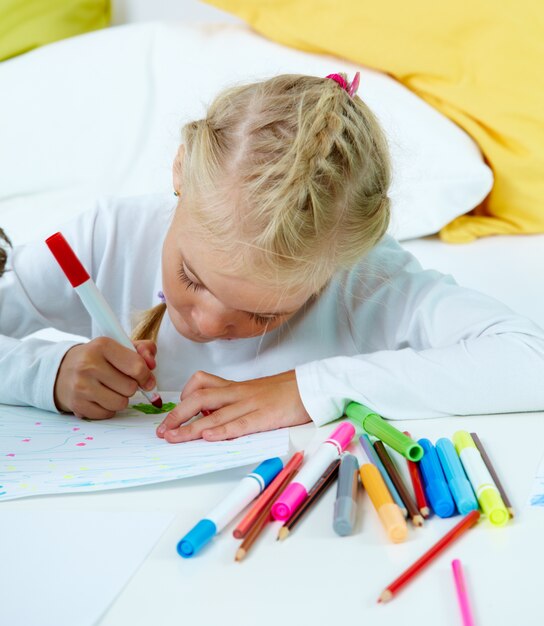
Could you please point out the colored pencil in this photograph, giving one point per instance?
(457, 531)
(324, 482)
(493, 473)
(261, 521)
(462, 595)
(405, 496)
(373, 457)
(260, 504)
(417, 484)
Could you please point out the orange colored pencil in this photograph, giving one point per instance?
(457, 531)
(268, 494)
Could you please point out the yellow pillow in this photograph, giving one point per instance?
(27, 24)
(480, 63)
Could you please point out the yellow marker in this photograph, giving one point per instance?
(388, 511)
(489, 497)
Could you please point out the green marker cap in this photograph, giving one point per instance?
(377, 426)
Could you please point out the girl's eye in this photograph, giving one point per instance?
(260, 319)
(190, 284)
(187, 281)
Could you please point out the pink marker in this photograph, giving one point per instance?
(92, 299)
(297, 491)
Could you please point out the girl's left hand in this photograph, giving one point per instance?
(239, 408)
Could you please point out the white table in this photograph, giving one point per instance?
(315, 577)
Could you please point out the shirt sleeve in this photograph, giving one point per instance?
(35, 294)
(427, 348)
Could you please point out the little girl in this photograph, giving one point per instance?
(282, 298)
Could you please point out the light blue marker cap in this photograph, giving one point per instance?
(435, 484)
(206, 530)
(196, 538)
(460, 487)
(268, 470)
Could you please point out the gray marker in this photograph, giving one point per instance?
(345, 507)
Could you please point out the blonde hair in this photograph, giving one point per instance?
(289, 178)
(4, 241)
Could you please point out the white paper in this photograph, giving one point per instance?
(537, 494)
(42, 452)
(65, 568)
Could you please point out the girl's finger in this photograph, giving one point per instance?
(254, 422)
(210, 398)
(115, 380)
(92, 411)
(194, 430)
(147, 349)
(203, 380)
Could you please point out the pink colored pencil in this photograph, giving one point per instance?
(462, 595)
(253, 514)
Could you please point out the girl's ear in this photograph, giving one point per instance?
(177, 170)
(4, 242)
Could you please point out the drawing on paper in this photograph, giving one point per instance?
(45, 453)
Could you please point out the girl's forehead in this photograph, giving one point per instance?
(235, 287)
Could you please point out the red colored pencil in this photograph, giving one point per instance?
(417, 484)
(457, 531)
(253, 514)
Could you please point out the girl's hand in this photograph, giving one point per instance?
(239, 408)
(97, 378)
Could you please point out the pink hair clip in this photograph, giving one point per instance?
(350, 88)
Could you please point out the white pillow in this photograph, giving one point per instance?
(101, 114)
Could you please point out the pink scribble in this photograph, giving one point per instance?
(76, 428)
(37, 424)
(10, 454)
(89, 438)
(25, 440)
(81, 444)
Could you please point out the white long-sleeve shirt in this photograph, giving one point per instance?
(406, 342)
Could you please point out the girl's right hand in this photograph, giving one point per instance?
(97, 378)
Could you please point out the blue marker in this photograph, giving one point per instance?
(435, 484)
(460, 487)
(249, 488)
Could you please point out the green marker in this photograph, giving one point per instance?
(486, 491)
(377, 426)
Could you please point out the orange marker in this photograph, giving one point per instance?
(388, 511)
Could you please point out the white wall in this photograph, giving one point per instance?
(127, 11)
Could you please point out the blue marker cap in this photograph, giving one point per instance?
(434, 481)
(460, 487)
(196, 538)
(267, 471)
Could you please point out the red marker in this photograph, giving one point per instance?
(92, 299)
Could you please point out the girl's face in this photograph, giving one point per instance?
(205, 302)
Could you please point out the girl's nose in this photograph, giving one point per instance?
(211, 324)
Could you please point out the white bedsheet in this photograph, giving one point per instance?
(507, 268)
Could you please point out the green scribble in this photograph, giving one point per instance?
(149, 408)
